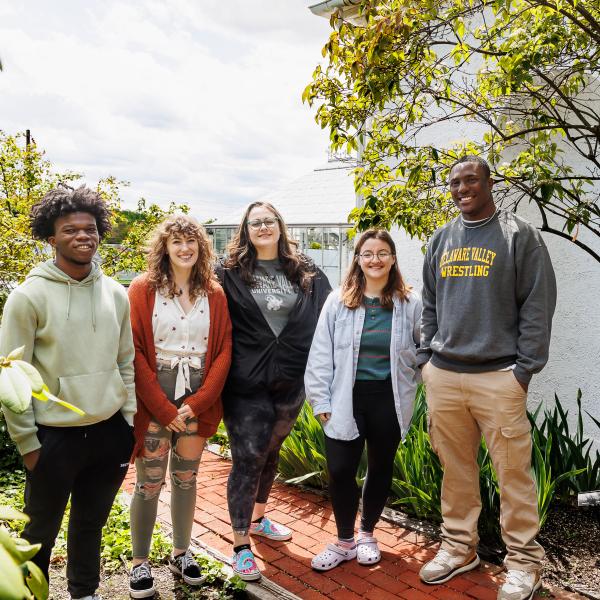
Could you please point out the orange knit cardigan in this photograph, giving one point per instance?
(151, 400)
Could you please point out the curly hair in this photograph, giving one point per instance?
(298, 268)
(160, 274)
(353, 287)
(64, 200)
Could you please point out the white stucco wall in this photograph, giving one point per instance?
(575, 347)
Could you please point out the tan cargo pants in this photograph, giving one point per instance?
(462, 407)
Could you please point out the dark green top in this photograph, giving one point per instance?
(374, 352)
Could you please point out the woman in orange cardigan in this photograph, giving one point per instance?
(182, 337)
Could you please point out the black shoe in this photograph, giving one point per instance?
(141, 582)
(186, 566)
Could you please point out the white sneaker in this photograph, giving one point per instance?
(444, 566)
(94, 597)
(519, 585)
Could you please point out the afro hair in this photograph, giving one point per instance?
(64, 200)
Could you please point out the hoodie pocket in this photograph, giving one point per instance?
(99, 395)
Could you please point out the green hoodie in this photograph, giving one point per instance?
(78, 335)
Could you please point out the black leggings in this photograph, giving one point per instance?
(257, 424)
(377, 422)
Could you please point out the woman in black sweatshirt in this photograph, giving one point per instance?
(275, 295)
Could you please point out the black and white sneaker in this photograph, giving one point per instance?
(186, 566)
(141, 582)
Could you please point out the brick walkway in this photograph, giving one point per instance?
(310, 517)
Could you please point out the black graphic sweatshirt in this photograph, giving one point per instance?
(260, 358)
(489, 294)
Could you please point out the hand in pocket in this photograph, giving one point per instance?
(31, 459)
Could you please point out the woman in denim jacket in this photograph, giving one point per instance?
(360, 380)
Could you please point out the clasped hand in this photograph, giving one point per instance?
(178, 423)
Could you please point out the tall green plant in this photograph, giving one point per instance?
(417, 480)
(565, 451)
(302, 456)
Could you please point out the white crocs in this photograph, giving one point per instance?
(367, 551)
(331, 557)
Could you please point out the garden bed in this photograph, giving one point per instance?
(571, 538)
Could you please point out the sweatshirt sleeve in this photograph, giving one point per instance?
(19, 324)
(536, 298)
(148, 389)
(125, 359)
(318, 376)
(429, 325)
(214, 380)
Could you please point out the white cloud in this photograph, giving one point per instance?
(189, 101)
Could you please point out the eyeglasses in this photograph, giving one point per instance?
(382, 255)
(268, 222)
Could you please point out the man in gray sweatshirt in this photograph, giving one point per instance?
(489, 294)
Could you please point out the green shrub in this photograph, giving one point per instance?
(20, 578)
(10, 458)
(221, 439)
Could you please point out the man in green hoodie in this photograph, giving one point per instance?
(74, 323)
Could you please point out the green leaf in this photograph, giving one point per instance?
(12, 586)
(18, 548)
(36, 581)
(546, 189)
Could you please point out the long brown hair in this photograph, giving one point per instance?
(242, 254)
(353, 288)
(160, 276)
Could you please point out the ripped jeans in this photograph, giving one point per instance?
(185, 450)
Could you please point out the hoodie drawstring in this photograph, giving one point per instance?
(93, 306)
(68, 300)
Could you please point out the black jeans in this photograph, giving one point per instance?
(88, 464)
(377, 422)
(257, 424)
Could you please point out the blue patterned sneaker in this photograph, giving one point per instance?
(271, 530)
(244, 565)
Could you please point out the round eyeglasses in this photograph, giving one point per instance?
(268, 222)
(382, 255)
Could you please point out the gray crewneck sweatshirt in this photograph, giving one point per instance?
(489, 293)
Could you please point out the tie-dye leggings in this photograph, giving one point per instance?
(257, 424)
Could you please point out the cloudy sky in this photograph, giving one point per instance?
(194, 101)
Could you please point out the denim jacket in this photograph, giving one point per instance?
(331, 368)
